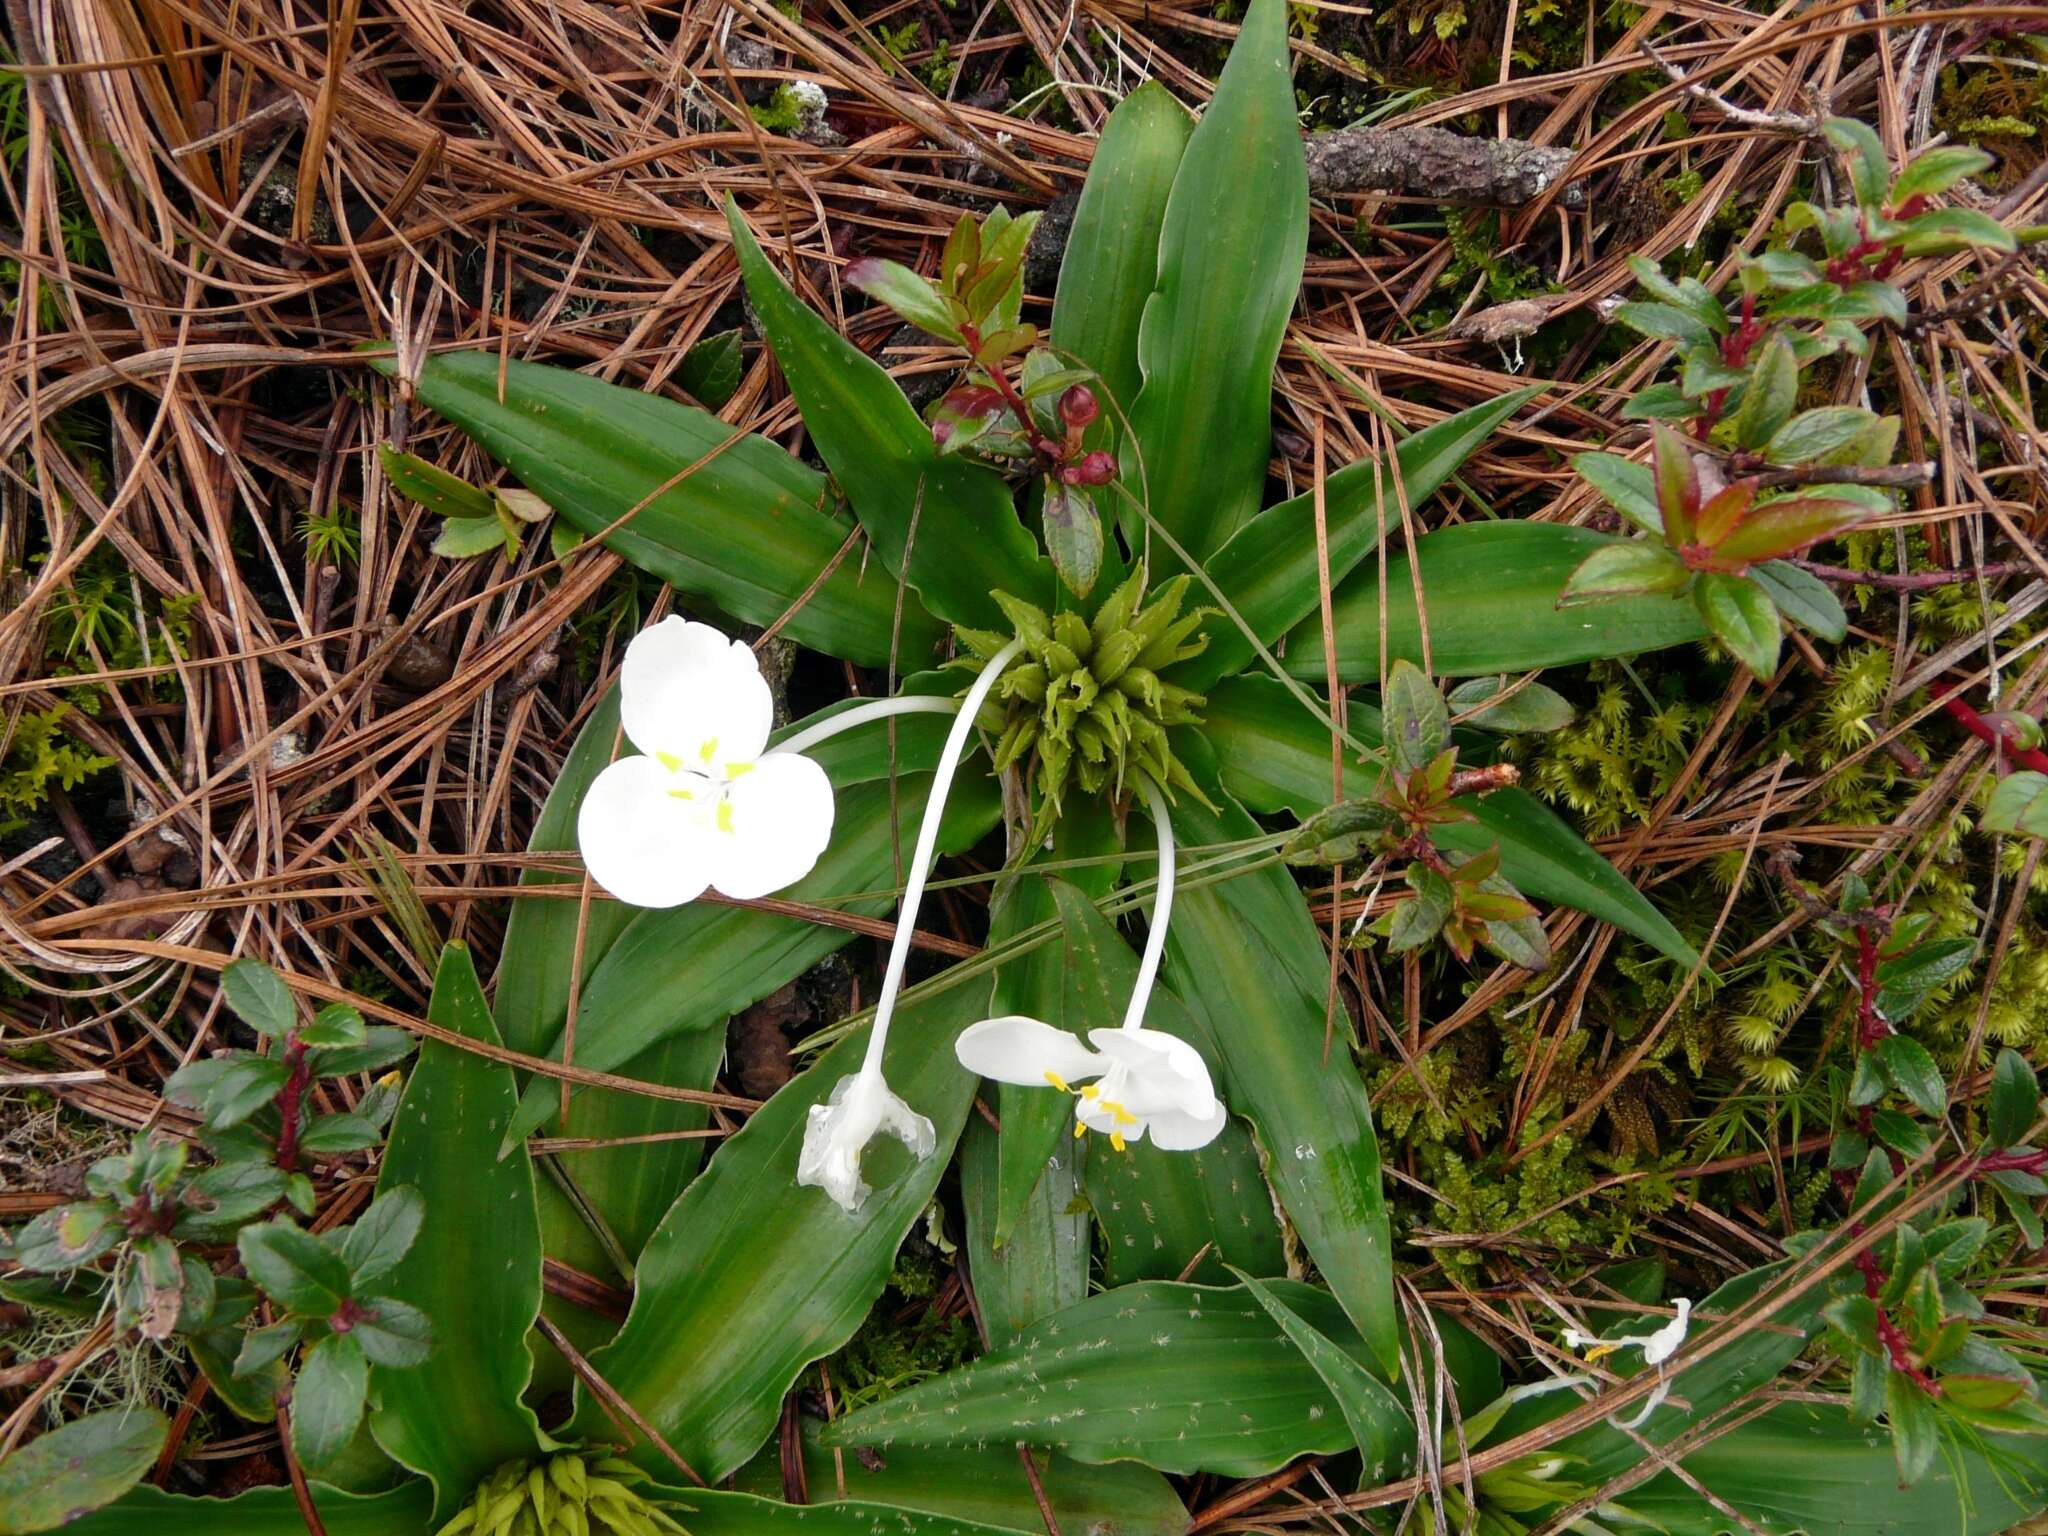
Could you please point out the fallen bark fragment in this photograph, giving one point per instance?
(1435, 163)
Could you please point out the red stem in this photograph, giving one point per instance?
(1895, 1342)
(289, 1098)
(1986, 732)
(1045, 445)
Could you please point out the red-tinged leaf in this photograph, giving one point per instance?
(912, 298)
(1723, 512)
(1678, 485)
(1781, 528)
(1624, 570)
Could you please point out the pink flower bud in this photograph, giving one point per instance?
(1078, 407)
(1097, 468)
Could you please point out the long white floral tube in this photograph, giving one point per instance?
(1162, 909)
(862, 1105)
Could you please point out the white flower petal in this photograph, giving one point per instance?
(1016, 1049)
(640, 841)
(1174, 1130)
(690, 693)
(1165, 1071)
(836, 1133)
(776, 821)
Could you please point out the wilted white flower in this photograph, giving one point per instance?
(706, 806)
(1657, 1347)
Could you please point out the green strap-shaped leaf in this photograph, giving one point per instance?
(709, 1513)
(406, 1510)
(1807, 1467)
(632, 1186)
(750, 529)
(1269, 569)
(693, 967)
(1380, 1426)
(1183, 1378)
(475, 1267)
(985, 1483)
(970, 543)
(1275, 756)
(1042, 1266)
(1246, 957)
(1230, 257)
(532, 983)
(1492, 591)
(77, 1467)
(1112, 260)
(1159, 1211)
(750, 1278)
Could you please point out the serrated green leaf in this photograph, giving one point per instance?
(1955, 229)
(1413, 719)
(1803, 598)
(68, 1471)
(1628, 487)
(1913, 1073)
(2019, 804)
(1638, 568)
(441, 493)
(710, 371)
(1936, 170)
(1767, 401)
(378, 1239)
(2015, 1099)
(1741, 615)
(327, 1398)
(296, 1269)
(1530, 708)
(259, 997)
(1869, 167)
(465, 538)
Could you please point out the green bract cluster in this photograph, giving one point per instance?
(1088, 700)
(565, 1495)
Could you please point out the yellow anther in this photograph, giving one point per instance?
(1124, 1116)
(1058, 1082)
(681, 794)
(725, 816)
(1601, 1351)
(737, 770)
(1080, 1130)
(1091, 1091)
(669, 761)
(1116, 1139)
(710, 748)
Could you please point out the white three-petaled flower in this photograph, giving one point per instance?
(1657, 1347)
(1146, 1082)
(706, 806)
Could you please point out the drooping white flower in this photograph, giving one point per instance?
(1146, 1082)
(1657, 1347)
(706, 806)
(861, 1106)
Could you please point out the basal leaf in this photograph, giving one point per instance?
(749, 1278)
(883, 457)
(475, 1267)
(1230, 257)
(63, 1473)
(750, 529)
(1492, 591)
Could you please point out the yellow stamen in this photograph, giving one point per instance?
(1116, 1139)
(669, 761)
(1601, 1351)
(710, 748)
(1058, 1082)
(725, 816)
(681, 794)
(1091, 1091)
(737, 771)
(1080, 1130)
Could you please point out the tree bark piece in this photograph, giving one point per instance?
(1435, 163)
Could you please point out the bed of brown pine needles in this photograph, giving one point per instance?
(340, 765)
